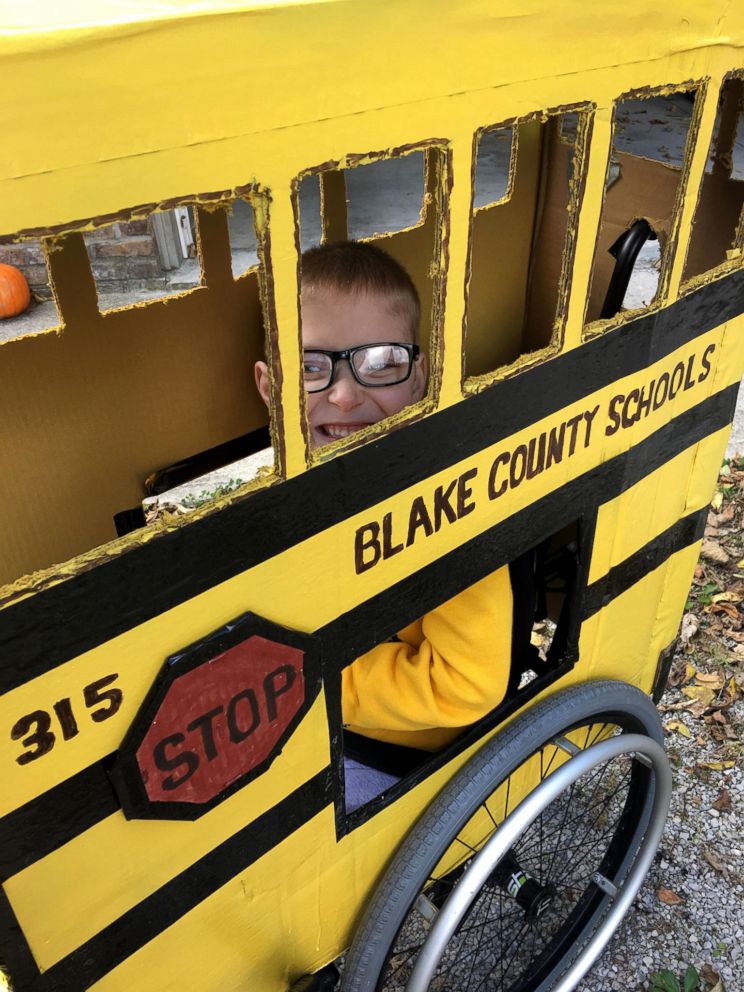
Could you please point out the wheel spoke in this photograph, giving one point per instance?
(513, 943)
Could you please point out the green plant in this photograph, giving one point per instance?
(207, 495)
(667, 981)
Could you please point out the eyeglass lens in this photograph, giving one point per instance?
(374, 365)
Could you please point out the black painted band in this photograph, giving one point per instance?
(44, 824)
(59, 815)
(143, 922)
(49, 628)
(647, 559)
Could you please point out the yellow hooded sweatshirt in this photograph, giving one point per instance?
(447, 671)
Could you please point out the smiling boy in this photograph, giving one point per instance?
(353, 295)
(360, 319)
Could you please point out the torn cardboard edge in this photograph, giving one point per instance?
(670, 229)
(577, 181)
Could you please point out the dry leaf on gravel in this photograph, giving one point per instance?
(699, 693)
(714, 861)
(714, 552)
(727, 608)
(723, 803)
(668, 897)
(679, 727)
(715, 766)
(710, 976)
(688, 629)
(726, 597)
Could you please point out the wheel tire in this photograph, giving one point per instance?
(616, 705)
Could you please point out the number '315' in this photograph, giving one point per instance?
(101, 699)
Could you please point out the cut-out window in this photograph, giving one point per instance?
(644, 176)
(378, 291)
(718, 224)
(522, 240)
(135, 402)
(493, 166)
(311, 227)
(363, 202)
(385, 196)
(144, 259)
(536, 598)
(28, 303)
(243, 246)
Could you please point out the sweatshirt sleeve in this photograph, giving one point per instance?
(449, 670)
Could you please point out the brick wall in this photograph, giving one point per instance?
(122, 257)
(28, 256)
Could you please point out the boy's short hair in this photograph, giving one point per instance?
(356, 267)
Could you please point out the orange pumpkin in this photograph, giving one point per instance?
(15, 295)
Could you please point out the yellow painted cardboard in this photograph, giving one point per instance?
(126, 112)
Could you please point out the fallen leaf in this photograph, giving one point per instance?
(699, 693)
(679, 727)
(727, 608)
(726, 597)
(714, 552)
(714, 861)
(697, 709)
(714, 680)
(733, 688)
(690, 670)
(725, 515)
(710, 976)
(716, 766)
(723, 803)
(668, 897)
(687, 631)
(717, 501)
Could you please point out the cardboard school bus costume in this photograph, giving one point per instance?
(173, 795)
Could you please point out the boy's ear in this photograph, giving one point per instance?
(421, 373)
(261, 372)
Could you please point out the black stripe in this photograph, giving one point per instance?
(359, 630)
(59, 623)
(622, 576)
(143, 922)
(48, 819)
(47, 822)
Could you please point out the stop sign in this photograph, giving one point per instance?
(217, 716)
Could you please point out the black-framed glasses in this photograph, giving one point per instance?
(385, 363)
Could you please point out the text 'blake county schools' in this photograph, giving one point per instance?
(381, 539)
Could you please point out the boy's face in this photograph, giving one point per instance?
(335, 321)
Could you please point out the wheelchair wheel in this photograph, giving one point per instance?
(516, 876)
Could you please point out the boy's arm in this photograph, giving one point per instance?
(456, 675)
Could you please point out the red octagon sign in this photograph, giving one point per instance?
(215, 719)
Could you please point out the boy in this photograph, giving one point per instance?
(360, 319)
